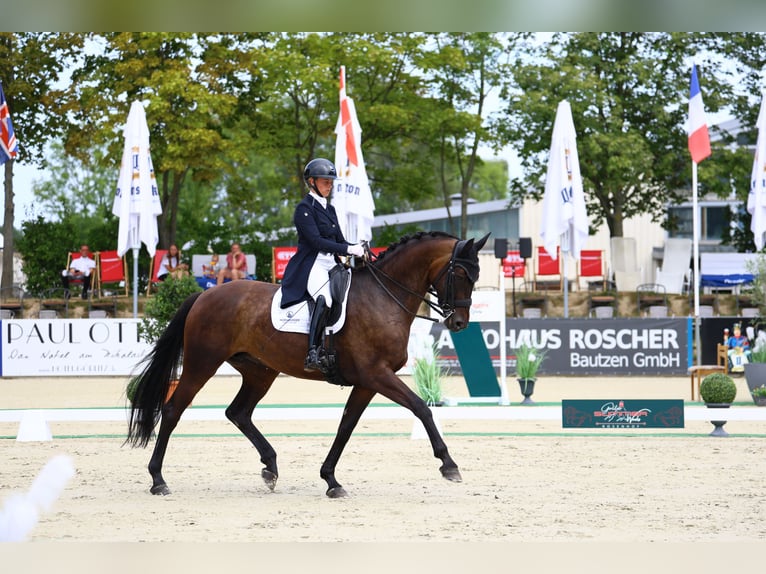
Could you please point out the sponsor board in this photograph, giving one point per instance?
(73, 347)
(622, 413)
(581, 347)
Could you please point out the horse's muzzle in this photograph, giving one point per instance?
(456, 322)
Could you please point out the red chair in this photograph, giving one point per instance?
(548, 274)
(592, 267)
(111, 269)
(514, 266)
(153, 280)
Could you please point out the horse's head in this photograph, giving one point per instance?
(454, 283)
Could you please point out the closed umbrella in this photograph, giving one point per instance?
(565, 219)
(137, 201)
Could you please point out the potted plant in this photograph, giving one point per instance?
(158, 312)
(759, 395)
(528, 361)
(427, 374)
(755, 370)
(718, 391)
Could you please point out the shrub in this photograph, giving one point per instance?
(161, 307)
(718, 388)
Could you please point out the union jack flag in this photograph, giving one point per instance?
(9, 147)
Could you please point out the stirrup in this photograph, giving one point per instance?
(314, 360)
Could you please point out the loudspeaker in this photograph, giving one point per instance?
(525, 247)
(501, 248)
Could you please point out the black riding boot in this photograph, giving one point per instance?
(316, 334)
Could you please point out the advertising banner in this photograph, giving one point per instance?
(73, 347)
(580, 347)
(623, 414)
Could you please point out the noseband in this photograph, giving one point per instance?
(447, 304)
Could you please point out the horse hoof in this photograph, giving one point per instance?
(160, 489)
(452, 474)
(269, 478)
(336, 492)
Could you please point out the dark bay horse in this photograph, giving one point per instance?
(232, 323)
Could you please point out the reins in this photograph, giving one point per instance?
(446, 306)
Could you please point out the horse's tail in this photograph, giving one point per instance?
(152, 384)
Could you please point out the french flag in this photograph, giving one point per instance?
(699, 138)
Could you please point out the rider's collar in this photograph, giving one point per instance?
(316, 197)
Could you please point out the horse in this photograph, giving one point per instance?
(232, 323)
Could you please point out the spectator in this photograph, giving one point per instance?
(80, 269)
(210, 270)
(236, 265)
(171, 266)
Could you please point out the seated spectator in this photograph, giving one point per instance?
(171, 265)
(210, 270)
(739, 350)
(236, 265)
(81, 269)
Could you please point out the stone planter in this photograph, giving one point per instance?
(527, 387)
(718, 430)
(755, 376)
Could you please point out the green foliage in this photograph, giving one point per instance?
(718, 388)
(427, 375)
(45, 245)
(161, 307)
(757, 289)
(44, 249)
(758, 354)
(528, 361)
(624, 90)
(759, 391)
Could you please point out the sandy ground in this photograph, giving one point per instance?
(523, 481)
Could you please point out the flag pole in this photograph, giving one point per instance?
(503, 343)
(696, 264)
(135, 282)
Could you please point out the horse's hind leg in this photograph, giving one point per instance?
(256, 381)
(171, 414)
(357, 402)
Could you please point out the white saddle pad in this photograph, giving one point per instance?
(296, 318)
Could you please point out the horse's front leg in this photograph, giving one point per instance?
(357, 402)
(395, 389)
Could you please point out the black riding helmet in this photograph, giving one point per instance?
(319, 167)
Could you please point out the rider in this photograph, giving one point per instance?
(320, 242)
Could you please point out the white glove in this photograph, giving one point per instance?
(357, 250)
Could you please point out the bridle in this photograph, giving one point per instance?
(447, 304)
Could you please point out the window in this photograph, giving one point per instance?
(713, 222)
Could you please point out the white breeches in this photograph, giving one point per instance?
(319, 277)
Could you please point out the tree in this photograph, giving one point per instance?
(182, 80)
(462, 72)
(30, 66)
(629, 95)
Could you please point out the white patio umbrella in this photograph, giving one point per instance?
(137, 201)
(756, 199)
(351, 196)
(565, 220)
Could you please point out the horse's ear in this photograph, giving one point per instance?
(465, 248)
(480, 243)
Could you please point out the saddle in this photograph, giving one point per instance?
(340, 278)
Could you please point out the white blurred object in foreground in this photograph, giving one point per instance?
(20, 512)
